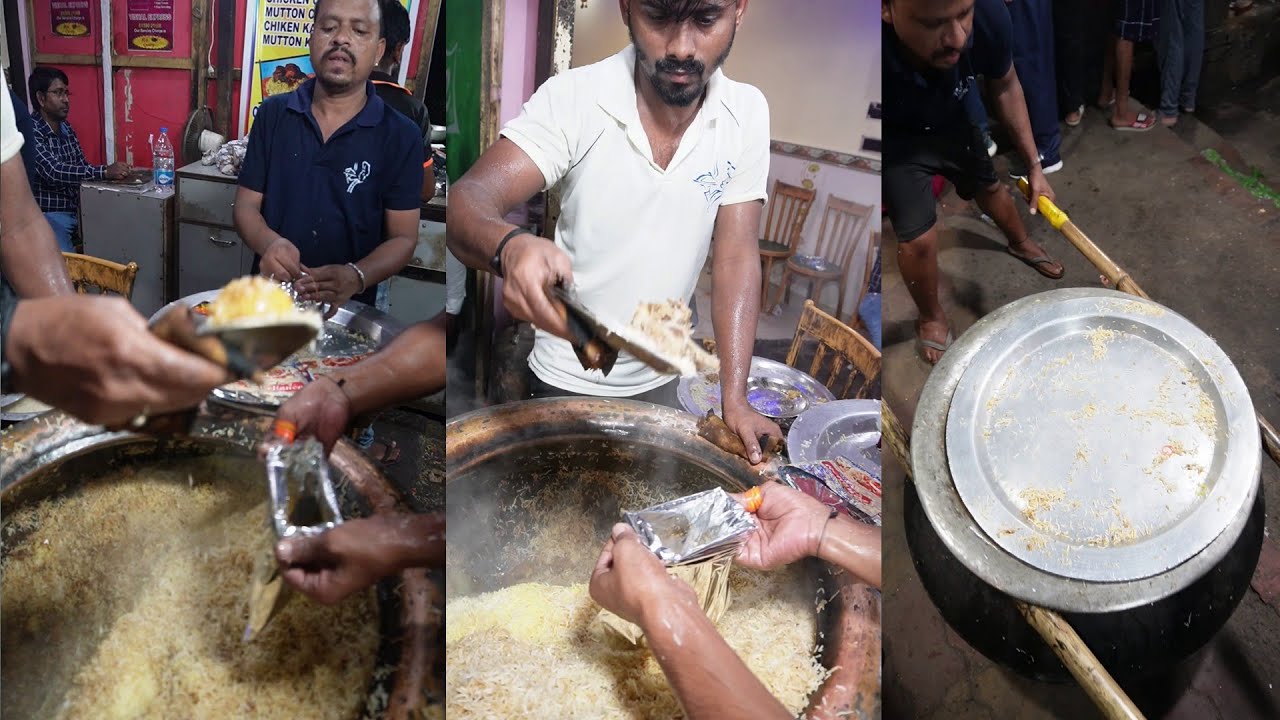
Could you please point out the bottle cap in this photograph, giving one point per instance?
(164, 129)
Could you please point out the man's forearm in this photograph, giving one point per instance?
(423, 541)
(413, 365)
(253, 229)
(708, 677)
(29, 255)
(735, 309)
(853, 546)
(387, 259)
(1011, 108)
(476, 223)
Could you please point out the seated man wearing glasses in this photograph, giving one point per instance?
(60, 164)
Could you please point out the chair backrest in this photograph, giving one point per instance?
(841, 356)
(788, 209)
(842, 226)
(102, 275)
(873, 252)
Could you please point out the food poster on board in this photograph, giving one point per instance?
(150, 25)
(70, 18)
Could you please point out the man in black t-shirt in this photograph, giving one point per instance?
(395, 21)
(932, 49)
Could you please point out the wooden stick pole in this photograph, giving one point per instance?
(1080, 660)
(1126, 284)
(1057, 633)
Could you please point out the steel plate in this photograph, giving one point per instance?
(958, 529)
(773, 389)
(355, 329)
(842, 428)
(1090, 438)
(8, 400)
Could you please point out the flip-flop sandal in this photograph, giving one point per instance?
(1142, 123)
(941, 347)
(1080, 112)
(390, 453)
(1038, 264)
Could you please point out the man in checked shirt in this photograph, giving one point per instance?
(60, 164)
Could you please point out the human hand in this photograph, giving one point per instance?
(789, 528)
(332, 285)
(320, 409)
(1039, 185)
(117, 171)
(532, 265)
(331, 566)
(281, 261)
(631, 582)
(94, 357)
(750, 426)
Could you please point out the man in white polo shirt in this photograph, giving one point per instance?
(657, 155)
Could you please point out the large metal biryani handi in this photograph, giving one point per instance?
(47, 458)
(535, 487)
(1086, 450)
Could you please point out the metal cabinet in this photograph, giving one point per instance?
(210, 258)
(125, 224)
(210, 253)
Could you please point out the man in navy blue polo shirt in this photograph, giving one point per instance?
(932, 49)
(329, 192)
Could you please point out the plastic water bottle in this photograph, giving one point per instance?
(162, 162)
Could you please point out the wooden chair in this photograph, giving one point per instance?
(842, 355)
(103, 275)
(873, 252)
(788, 209)
(842, 226)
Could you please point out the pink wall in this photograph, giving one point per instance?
(519, 56)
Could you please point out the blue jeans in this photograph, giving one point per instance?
(869, 312)
(64, 226)
(1033, 57)
(1181, 49)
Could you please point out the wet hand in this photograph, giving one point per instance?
(790, 527)
(531, 266)
(750, 427)
(351, 557)
(631, 582)
(321, 409)
(281, 261)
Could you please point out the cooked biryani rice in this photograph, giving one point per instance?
(128, 599)
(255, 298)
(539, 651)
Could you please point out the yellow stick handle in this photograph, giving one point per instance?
(1051, 212)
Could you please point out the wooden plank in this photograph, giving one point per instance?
(117, 61)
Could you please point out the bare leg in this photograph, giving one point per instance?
(918, 261)
(998, 204)
(1108, 92)
(1124, 67)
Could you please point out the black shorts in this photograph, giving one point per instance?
(911, 161)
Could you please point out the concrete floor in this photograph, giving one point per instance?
(1194, 241)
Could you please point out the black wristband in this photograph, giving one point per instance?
(495, 264)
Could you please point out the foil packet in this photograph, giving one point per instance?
(303, 500)
(694, 528)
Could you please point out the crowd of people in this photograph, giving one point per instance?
(937, 57)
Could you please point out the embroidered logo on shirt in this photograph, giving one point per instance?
(356, 174)
(713, 184)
